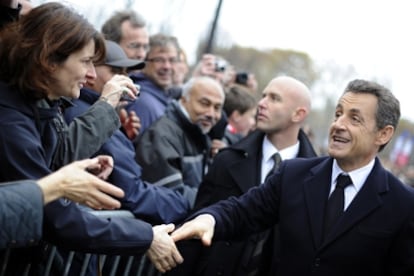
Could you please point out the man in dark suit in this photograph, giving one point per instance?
(374, 234)
(281, 112)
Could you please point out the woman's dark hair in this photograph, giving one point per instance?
(31, 47)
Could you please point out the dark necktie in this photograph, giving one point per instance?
(335, 206)
(257, 252)
(276, 161)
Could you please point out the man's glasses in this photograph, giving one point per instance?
(138, 46)
(162, 60)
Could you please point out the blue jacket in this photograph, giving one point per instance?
(33, 134)
(148, 202)
(151, 103)
(21, 214)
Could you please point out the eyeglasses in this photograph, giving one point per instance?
(162, 60)
(138, 46)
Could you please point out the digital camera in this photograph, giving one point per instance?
(220, 65)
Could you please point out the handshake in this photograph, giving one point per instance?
(163, 252)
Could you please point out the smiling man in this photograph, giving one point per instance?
(173, 152)
(155, 79)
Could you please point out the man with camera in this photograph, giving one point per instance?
(215, 67)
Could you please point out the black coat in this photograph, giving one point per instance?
(374, 236)
(234, 171)
(173, 153)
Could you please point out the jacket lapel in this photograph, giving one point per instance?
(242, 174)
(316, 188)
(250, 161)
(365, 202)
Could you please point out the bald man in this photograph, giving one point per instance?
(174, 151)
(285, 104)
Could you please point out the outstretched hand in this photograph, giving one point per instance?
(74, 182)
(202, 227)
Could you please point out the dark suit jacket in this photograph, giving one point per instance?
(375, 236)
(234, 171)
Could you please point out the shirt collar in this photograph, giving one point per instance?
(268, 149)
(357, 176)
(184, 111)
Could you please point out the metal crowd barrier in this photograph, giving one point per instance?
(118, 265)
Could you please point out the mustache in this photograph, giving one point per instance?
(203, 118)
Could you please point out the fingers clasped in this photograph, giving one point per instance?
(163, 252)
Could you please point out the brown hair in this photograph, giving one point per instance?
(46, 36)
(239, 98)
(163, 41)
(112, 27)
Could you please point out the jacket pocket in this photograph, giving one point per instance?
(375, 233)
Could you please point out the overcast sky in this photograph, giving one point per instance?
(375, 36)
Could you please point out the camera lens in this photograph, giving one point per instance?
(242, 77)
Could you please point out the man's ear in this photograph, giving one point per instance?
(385, 134)
(299, 114)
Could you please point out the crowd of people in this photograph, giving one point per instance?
(219, 180)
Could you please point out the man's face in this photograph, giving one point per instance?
(180, 71)
(134, 41)
(160, 64)
(354, 139)
(243, 123)
(275, 109)
(103, 74)
(204, 105)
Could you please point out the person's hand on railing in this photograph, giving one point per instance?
(163, 253)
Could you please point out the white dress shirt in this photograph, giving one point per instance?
(268, 149)
(357, 176)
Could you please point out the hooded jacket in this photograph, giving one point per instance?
(151, 103)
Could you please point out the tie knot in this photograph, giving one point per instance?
(343, 181)
(276, 158)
